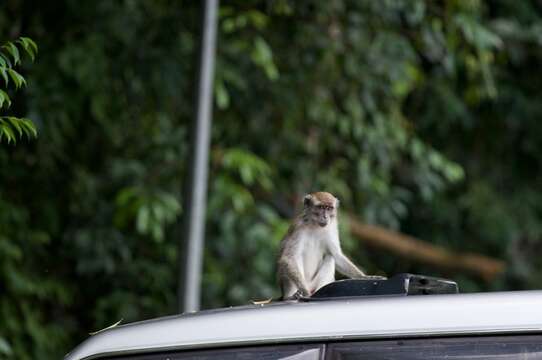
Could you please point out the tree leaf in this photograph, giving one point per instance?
(27, 47)
(13, 51)
(4, 97)
(125, 196)
(16, 123)
(3, 72)
(29, 127)
(6, 131)
(17, 78)
(4, 59)
(5, 348)
(221, 95)
(262, 55)
(32, 44)
(142, 220)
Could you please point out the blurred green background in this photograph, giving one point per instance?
(422, 117)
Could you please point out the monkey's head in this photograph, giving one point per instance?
(320, 208)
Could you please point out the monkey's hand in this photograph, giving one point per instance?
(301, 293)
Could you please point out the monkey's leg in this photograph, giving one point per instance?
(324, 275)
(288, 290)
(293, 280)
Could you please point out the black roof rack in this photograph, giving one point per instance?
(400, 284)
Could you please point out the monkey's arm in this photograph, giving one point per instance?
(343, 263)
(347, 267)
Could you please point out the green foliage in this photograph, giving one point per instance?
(152, 211)
(11, 127)
(420, 116)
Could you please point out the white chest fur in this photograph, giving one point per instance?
(314, 245)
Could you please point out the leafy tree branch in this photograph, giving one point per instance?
(13, 128)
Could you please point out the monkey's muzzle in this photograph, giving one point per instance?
(322, 223)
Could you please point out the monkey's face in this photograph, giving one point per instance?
(323, 214)
(320, 209)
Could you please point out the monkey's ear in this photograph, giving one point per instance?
(337, 202)
(307, 200)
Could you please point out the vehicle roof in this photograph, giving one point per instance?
(359, 318)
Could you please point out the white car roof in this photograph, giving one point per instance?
(359, 318)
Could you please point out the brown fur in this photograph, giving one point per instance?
(324, 198)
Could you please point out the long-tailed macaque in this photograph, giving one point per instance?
(311, 250)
